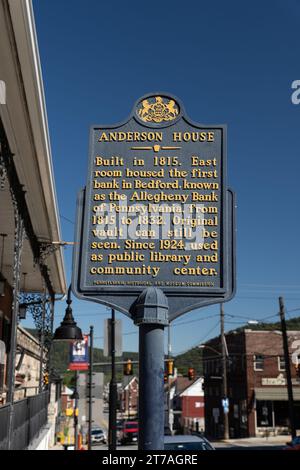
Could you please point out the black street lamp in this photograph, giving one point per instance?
(68, 329)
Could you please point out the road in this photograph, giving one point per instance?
(276, 443)
(243, 444)
(104, 447)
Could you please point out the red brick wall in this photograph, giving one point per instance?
(268, 344)
(189, 409)
(242, 378)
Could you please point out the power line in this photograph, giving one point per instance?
(201, 340)
(265, 297)
(68, 220)
(194, 321)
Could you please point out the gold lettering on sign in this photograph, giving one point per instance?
(156, 201)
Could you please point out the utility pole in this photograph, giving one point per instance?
(225, 403)
(75, 411)
(112, 432)
(287, 367)
(169, 382)
(90, 389)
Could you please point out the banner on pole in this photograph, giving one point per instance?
(79, 354)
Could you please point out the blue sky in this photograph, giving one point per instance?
(229, 62)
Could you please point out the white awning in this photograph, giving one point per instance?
(275, 393)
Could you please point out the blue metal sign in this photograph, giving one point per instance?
(156, 211)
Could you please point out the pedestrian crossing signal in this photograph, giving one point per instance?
(191, 373)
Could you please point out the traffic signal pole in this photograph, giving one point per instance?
(151, 315)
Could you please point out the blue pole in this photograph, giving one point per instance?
(151, 315)
(151, 387)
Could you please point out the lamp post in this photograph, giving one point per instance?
(206, 346)
(75, 397)
(68, 329)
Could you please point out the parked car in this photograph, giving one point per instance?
(187, 442)
(129, 432)
(98, 436)
(294, 444)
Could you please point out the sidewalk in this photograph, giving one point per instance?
(256, 441)
(57, 447)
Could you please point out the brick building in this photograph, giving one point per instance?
(129, 397)
(257, 392)
(188, 404)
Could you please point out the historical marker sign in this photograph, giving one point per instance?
(156, 211)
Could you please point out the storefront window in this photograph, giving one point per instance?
(281, 411)
(264, 413)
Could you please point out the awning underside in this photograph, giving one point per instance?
(276, 393)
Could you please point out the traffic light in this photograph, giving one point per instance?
(128, 369)
(169, 367)
(191, 373)
(46, 378)
(165, 378)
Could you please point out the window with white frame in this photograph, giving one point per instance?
(281, 363)
(258, 362)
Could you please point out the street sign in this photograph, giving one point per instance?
(107, 338)
(156, 211)
(79, 354)
(225, 403)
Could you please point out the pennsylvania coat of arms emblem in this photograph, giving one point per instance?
(159, 110)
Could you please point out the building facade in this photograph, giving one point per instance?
(191, 403)
(129, 397)
(31, 260)
(257, 390)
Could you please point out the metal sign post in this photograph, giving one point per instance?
(90, 385)
(155, 231)
(112, 434)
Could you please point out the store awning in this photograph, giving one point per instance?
(275, 393)
(24, 120)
